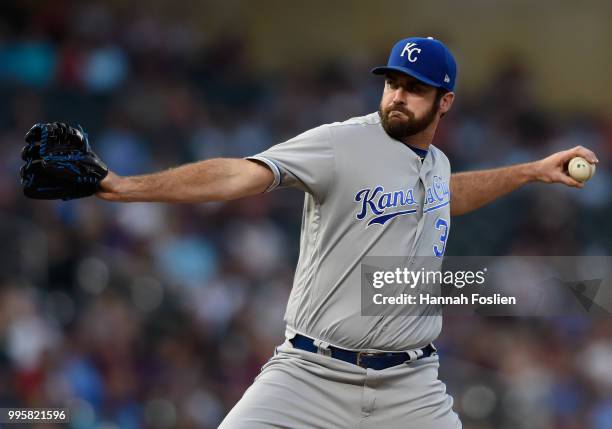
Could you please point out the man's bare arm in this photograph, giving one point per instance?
(472, 190)
(219, 179)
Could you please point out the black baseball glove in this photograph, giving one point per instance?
(59, 163)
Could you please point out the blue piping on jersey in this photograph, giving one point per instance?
(280, 175)
(421, 153)
(429, 209)
(382, 219)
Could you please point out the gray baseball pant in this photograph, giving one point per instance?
(300, 389)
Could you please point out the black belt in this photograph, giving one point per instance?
(375, 361)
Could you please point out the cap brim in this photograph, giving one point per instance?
(386, 69)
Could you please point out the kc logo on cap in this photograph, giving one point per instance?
(409, 49)
(423, 58)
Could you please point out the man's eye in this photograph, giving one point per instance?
(391, 84)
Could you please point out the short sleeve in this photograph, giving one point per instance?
(305, 162)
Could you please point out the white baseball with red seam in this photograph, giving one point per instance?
(580, 169)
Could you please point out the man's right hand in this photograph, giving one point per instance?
(60, 163)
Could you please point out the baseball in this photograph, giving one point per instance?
(580, 169)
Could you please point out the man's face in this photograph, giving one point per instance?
(408, 106)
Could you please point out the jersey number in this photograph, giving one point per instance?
(441, 225)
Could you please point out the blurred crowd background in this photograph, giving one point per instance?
(160, 316)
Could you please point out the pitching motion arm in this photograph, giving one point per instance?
(472, 190)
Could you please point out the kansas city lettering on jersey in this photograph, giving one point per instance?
(383, 205)
(377, 202)
(437, 195)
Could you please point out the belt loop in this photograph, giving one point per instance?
(289, 333)
(414, 354)
(322, 347)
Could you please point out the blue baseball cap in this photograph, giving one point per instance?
(425, 59)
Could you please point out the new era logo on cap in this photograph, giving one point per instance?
(426, 59)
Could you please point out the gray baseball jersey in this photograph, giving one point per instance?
(366, 195)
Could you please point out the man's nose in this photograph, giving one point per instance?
(399, 96)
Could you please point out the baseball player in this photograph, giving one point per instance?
(374, 185)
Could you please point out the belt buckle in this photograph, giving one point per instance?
(362, 354)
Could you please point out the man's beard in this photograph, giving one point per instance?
(400, 129)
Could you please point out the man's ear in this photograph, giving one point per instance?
(446, 102)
